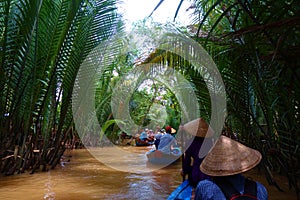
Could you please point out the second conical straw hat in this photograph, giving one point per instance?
(229, 157)
(198, 127)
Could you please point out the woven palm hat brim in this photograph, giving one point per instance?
(198, 127)
(229, 157)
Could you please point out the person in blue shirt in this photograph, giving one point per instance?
(144, 135)
(225, 163)
(167, 141)
(157, 137)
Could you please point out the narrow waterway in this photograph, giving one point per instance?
(85, 178)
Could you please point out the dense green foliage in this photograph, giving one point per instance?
(43, 44)
(256, 47)
(255, 44)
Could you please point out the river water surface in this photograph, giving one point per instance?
(85, 178)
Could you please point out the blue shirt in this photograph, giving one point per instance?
(143, 136)
(208, 190)
(166, 141)
(158, 136)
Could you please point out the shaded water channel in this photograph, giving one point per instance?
(85, 178)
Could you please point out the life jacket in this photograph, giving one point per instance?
(250, 190)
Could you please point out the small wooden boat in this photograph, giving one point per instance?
(158, 157)
(139, 142)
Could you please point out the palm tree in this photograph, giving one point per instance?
(256, 45)
(43, 44)
(261, 41)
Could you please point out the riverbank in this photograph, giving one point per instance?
(274, 193)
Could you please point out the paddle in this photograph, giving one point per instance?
(182, 147)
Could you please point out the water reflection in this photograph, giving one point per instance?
(126, 159)
(85, 178)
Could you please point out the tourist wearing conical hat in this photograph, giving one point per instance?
(192, 158)
(225, 163)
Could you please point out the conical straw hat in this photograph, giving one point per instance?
(198, 127)
(173, 130)
(229, 157)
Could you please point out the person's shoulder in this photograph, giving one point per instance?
(208, 190)
(209, 186)
(166, 135)
(260, 186)
(206, 183)
(261, 191)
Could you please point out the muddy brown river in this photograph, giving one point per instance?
(86, 178)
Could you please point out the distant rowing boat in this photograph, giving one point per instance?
(139, 142)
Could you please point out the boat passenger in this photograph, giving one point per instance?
(167, 141)
(151, 135)
(199, 145)
(225, 163)
(144, 135)
(157, 137)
